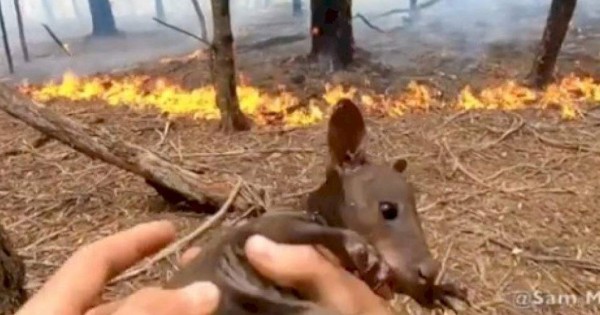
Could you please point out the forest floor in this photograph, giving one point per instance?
(510, 196)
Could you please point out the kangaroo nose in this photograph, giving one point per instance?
(428, 271)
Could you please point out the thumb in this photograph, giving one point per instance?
(200, 298)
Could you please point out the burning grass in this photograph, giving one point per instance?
(285, 108)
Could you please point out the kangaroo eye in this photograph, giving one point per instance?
(389, 210)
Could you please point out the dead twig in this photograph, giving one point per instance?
(368, 23)
(175, 247)
(458, 165)
(60, 43)
(164, 134)
(520, 123)
(566, 261)
(444, 263)
(580, 147)
(182, 31)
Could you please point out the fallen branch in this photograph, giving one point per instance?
(102, 145)
(175, 247)
(182, 31)
(270, 42)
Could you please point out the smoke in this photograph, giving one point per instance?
(474, 24)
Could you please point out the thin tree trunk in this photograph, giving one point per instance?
(99, 144)
(12, 277)
(103, 20)
(22, 39)
(201, 19)
(223, 70)
(331, 29)
(7, 52)
(160, 9)
(557, 25)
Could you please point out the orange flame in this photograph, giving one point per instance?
(568, 95)
(285, 108)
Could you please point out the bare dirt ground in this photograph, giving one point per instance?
(510, 198)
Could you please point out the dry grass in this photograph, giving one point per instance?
(519, 207)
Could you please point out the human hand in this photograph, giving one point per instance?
(76, 288)
(319, 278)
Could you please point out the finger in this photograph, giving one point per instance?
(303, 268)
(83, 277)
(189, 255)
(286, 265)
(196, 299)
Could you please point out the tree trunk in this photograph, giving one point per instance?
(223, 70)
(103, 20)
(557, 25)
(48, 11)
(160, 9)
(297, 8)
(12, 277)
(331, 29)
(102, 145)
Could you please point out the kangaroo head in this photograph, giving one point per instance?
(376, 201)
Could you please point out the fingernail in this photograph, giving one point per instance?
(258, 245)
(203, 295)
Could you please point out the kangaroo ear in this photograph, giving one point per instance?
(400, 165)
(345, 134)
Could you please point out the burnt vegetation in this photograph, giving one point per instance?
(498, 141)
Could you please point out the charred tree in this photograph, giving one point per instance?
(103, 19)
(557, 25)
(12, 277)
(331, 29)
(160, 9)
(223, 70)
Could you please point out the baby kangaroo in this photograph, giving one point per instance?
(363, 213)
(377, 202)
